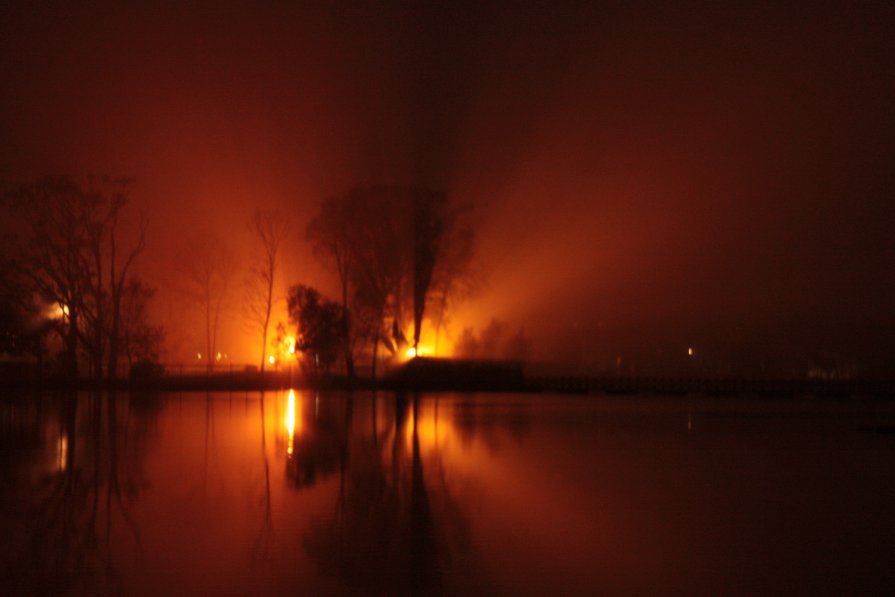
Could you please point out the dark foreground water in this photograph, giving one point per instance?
(292, 492)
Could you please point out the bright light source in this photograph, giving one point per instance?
(58, 312)
(62, 453)
(199, 356)
(290, 420)
(218, 356)
(690, 351)
(271, 360)
(411, 352)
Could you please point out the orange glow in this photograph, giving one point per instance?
(57, 312)
(62, 453)
(290, 422)
(423, 350)
(271, 359)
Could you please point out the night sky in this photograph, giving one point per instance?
(710, 176)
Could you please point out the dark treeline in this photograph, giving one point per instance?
(402, 256)
(71, 300)
(67, 279)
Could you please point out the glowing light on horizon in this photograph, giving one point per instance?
(690, 351)
(420, 351)
(271, 359)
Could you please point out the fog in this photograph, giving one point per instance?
(642, 179)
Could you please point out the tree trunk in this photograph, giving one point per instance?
(266, 321)
(71, 344)
(264, 344)
(375, 353)
(112, 368)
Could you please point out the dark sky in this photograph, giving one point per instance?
(691, 173)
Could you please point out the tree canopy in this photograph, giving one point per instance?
(395, 250)
(70, 257)
(320, 324)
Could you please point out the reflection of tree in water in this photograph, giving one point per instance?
(486, 421)
(64, 517)
(262, 544)
(317, 450)
(392, 532)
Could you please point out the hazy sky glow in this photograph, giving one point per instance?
(692, 175)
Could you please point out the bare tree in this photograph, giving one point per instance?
(380, 265)
(430, 222)
(118, 278)
(208, 276)
(269, 229)
(140, 339)
(54, 253)
(456, 276)
(394, 249)
(72, 260)
(333, 235)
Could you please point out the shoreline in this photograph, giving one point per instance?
(582, 385)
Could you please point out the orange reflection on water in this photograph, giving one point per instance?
(290, 422)
(62, 452)
(432, 424)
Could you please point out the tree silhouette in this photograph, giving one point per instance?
(141, 340)
(393, 249)
(269, 228)
(22, 325)
(320, 325)
(455, 277)
(430, 221)
(208, 274)
(333, 235)
(72, 257)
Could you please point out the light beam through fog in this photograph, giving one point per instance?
(416, 299)
(642, 180)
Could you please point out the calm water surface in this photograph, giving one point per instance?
(295, 492)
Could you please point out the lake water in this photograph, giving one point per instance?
(326, 494)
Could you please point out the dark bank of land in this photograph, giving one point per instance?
(454, 375)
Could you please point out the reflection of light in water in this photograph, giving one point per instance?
(290, 421)
(431, 433)
(62, 452)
